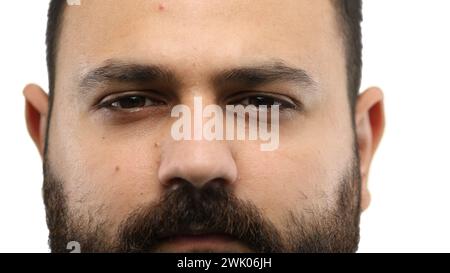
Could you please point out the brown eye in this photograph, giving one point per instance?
(259, 100)
(132, 103)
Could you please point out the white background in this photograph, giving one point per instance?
(406, 52)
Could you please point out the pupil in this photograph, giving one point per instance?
(258, 101)
(132, 102)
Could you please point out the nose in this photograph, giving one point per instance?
(198, 162)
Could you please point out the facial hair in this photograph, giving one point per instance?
(212, 209)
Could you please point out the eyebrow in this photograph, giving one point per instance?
(251, 75)
(265, 73)
(118, 71)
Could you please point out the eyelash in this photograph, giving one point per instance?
(283, 103)
(109, 103)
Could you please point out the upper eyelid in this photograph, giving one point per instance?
(243, 95)
(124, 94)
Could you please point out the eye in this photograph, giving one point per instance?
(130, 102)
(264, 100)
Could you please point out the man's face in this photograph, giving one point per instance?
(123, 177)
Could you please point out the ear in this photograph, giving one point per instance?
(36, 112)
(369, 121)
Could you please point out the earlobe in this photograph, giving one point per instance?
(369, 121)
(36, 112)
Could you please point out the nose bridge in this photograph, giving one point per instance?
(196, 161)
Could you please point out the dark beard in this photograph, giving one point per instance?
(212, 209)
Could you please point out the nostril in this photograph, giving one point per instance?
(175, 183)
(212, 185)
(215, 184)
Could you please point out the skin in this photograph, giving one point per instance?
(115, 162)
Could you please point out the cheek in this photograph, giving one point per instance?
(105, 175)
(303, 173)
(286, 180)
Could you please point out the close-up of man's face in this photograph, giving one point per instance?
(116, 179)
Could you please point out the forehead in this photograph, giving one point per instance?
(212, 33)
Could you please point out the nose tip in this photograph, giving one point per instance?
(197, 162)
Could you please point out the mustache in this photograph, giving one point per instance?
(188, 210)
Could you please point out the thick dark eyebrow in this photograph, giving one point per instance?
(116, 71)
(263, 74)
(249, 76)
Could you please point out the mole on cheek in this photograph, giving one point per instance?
(161, 7)
(117, 168)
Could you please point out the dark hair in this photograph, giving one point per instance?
(349, 13)
(349, 16)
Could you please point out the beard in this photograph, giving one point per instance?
(212, 209)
